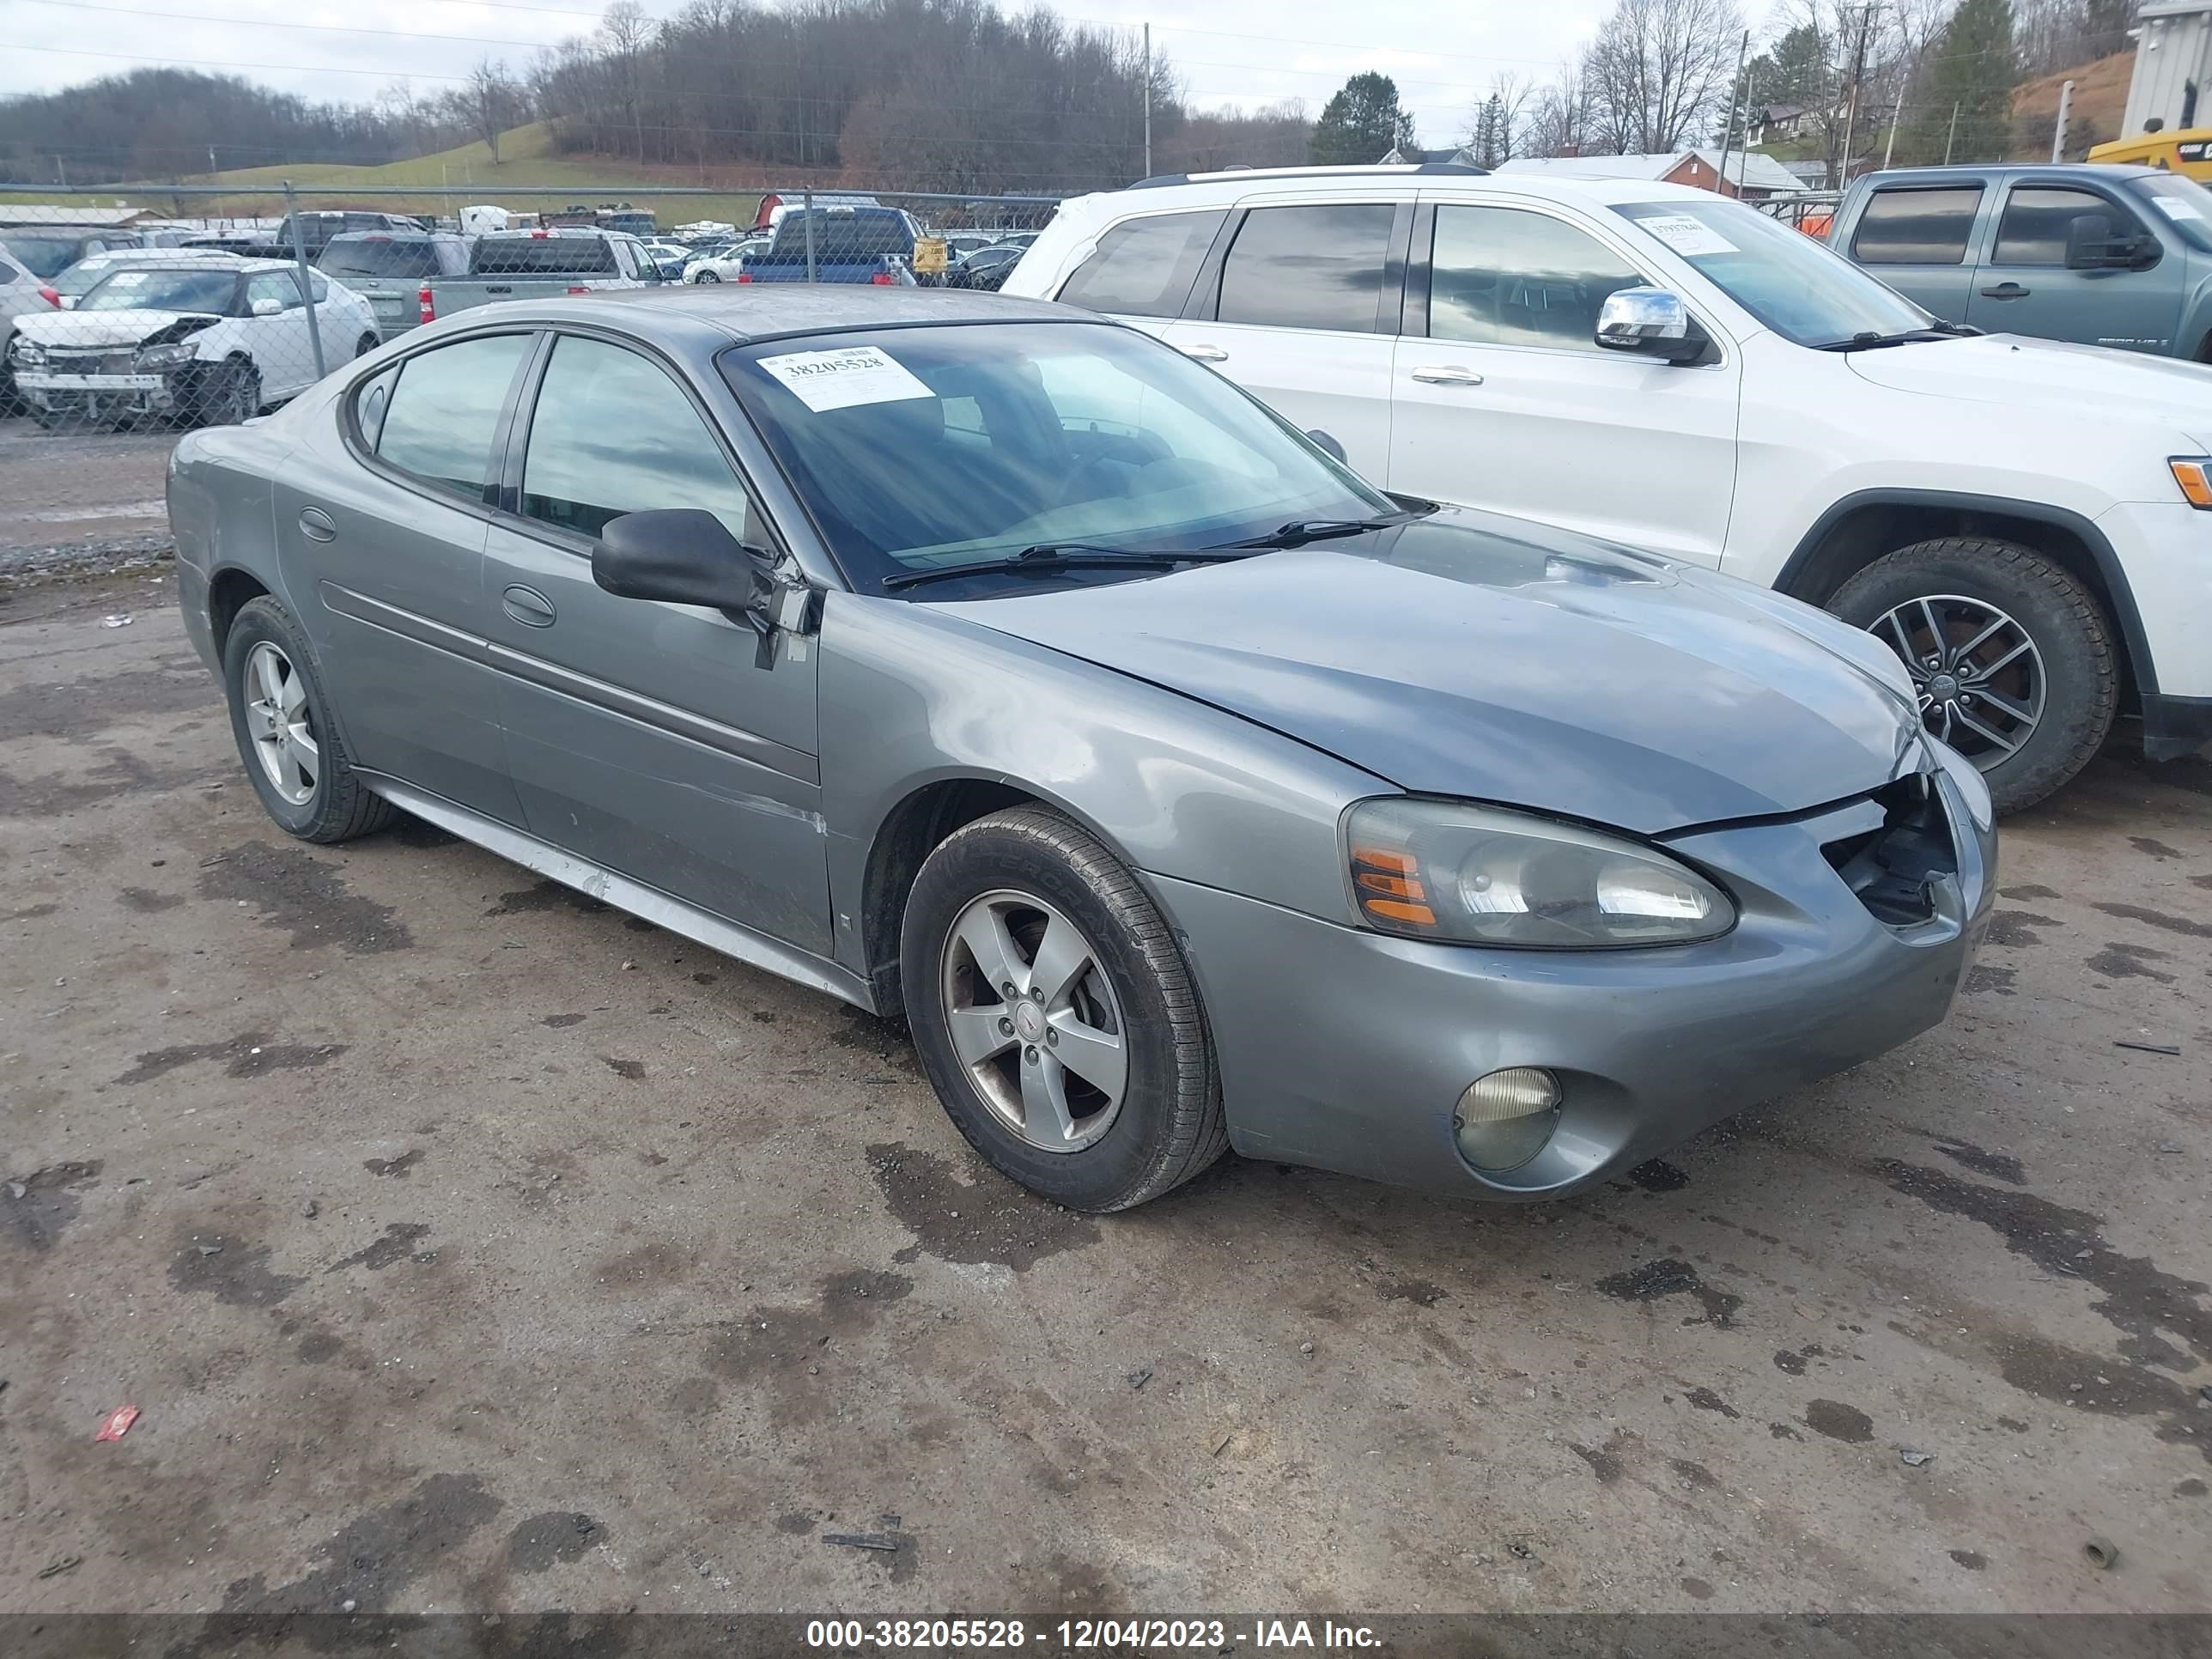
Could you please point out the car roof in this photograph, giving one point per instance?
(740, 314)
(1221, 189)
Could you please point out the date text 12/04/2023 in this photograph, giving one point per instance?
(1086, 1635)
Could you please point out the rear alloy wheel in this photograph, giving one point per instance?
(294, 756)
(708, 276)
(1055, 1015)
(2011, 657)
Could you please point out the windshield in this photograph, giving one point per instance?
(43, 256)
(2186, 205)
(1795, 286)
(380, 256)
(162, 290)
(928, 448)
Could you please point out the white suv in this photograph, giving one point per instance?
(2028, 525)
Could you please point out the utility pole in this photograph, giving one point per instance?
(1953, 136)
(1728, 127)
(1148, 101)
(2065, 111)
(212, 167)
(1897, 114)
(1858, 74)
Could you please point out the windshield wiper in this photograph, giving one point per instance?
(1048, 558)
(1299, 531)
(1870, 340)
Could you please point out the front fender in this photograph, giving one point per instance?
(910, 696)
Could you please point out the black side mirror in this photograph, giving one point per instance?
(2093, 242)
(685, 555)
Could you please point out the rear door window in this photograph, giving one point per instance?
(1145, 267)
(439, 421)
(380, 256)
(1917, 227)
(1319, 266)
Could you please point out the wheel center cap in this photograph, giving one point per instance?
(1029, 1021)
(1944, 687)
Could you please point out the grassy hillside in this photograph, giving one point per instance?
(526, 157)
(2100, 102)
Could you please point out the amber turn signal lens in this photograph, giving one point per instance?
(1388, 887)
(2195, 477)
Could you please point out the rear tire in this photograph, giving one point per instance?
(279, 715)
(1146, 1120)
(2067, 678)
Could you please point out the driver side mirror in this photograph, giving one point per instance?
(267, 307)
(2093, 242)
(1652, 322)
(686, 555)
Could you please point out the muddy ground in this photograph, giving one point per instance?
(464, 1243)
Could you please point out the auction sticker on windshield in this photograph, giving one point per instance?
(844, 376)
(1687, 236)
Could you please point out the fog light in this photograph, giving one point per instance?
(1503, 1119)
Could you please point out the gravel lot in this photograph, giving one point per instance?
(466, 1244)
(71, 501)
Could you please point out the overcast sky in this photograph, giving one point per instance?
(1250, 52)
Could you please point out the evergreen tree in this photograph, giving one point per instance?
(1972, 71)
(1361, 124)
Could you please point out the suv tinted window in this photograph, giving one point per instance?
(439, 421)
(1917, 227)
(1501, 277)
(525, 255)
(1318, 266)
(613, 435)
(1145, 268)
(2034, 229)
(382, 256)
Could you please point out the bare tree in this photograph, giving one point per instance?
(490, 101)
(1558, 120)
(626, 34)
(1659, 72)
(1497, 126)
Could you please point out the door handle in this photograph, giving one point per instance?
(1205, 354)
(318, 525)
(2006, 291)
(527, 606)
(1448, 374)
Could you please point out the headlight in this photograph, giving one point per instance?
(1476, 875)
(28, 352)
(165, 356)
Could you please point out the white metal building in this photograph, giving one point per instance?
(2172, 80)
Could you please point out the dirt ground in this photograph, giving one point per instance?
(465, 1244)
(67, 497)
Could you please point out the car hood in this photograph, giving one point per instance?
(2049, 377)
(1486, 658)
(99, 328)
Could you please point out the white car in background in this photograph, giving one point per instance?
(723, 264)
(209, 342)
(2026, 524)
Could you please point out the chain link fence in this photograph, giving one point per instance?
(177, 307)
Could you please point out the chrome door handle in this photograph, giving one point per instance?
(1448, 374)
(1205, 354)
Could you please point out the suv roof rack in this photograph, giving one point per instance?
(1449, 169)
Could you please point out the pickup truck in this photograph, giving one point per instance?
(850, 244)
(527, 265)
(2106, 256)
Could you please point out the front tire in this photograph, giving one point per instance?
(279, 715)
(2011, 654)
(367, 343)
(1055, 1015)
(230, 395)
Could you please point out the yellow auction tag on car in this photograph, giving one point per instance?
(928, 255)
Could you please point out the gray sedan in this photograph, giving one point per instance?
(994, 667)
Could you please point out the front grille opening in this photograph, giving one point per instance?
(1893, 870)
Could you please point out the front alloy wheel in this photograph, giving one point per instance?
(1033, 1020)
(1978, 675)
